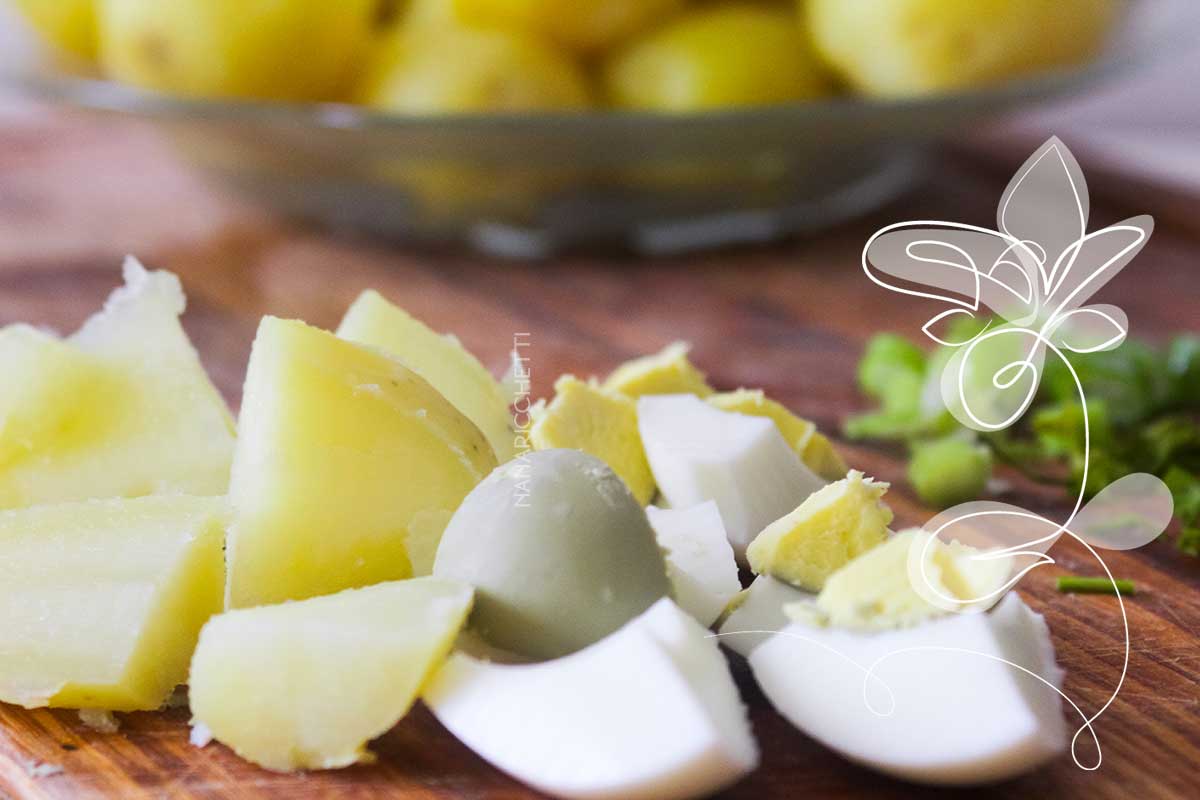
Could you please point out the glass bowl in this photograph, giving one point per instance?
(531, 185)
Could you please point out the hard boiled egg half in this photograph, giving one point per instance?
(650, 711)
(962, 699)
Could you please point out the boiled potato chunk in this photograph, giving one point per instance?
(814, 449)
(102, 600)
(306, 685)
(457, 70)
(293, 50)
(914, 47)
(424, 535)
(69, 25)
(584, 417)
(439, 359)
(121, 409)
(730, 54)
(583, 25)
(559, 552)
(831, 527)
(666, 372)
(340, 448)
(39, 401)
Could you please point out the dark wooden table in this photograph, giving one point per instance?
(75, 197)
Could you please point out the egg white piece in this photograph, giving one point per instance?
(940, 706)
(741, 462)
(650, 711)
(760, 614)
(700, 561)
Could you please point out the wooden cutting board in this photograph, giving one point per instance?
(792, 318)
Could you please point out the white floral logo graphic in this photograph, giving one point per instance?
(1027, 284)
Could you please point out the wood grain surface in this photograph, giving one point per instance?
(76, 195)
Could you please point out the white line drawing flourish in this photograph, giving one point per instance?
(1034, 272)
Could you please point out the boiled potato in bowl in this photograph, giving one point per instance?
(491, 70)
(482, 56)
(721, 56)
(918, 47)
(69, 25)
(293, 50)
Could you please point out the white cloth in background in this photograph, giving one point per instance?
(1145, 128)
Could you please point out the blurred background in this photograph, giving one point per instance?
(614, 174)
(609, 176)
(526, 129)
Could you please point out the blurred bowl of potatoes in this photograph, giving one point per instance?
(526, 127)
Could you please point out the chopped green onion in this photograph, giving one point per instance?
(887, 356)
(1075, 584)
(949, 471)
(1143, 415)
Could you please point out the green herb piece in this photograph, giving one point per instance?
(1133, 380)
(1168, 441)
(898, 424)
(893, 372)
(1185, 491)
(1183, 362)
(1103, 468)
(949, 471)
(904, 396)
(1189, 540)
(1076, 584)
(882, 426)
(962, 328)
(1059, 428)
(888, 355)
(1143, 411)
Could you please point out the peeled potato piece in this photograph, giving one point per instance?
(306, 685)
(438, 358)
(40, 406)
(343, 452)
(121, 409)
(102, 600)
